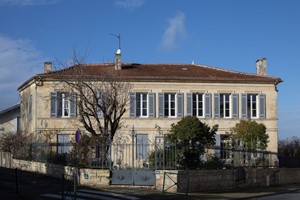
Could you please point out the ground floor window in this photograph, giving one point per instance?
(63, 143)
(142, 146)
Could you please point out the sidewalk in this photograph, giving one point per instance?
(245, 193)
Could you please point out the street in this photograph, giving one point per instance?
(295, 195)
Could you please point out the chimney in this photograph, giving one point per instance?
(47, 67)
(261, 67)
(118, 60)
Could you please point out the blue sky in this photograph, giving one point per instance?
(229, 34)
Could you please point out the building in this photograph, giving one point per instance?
(10, 120)
(161, 95)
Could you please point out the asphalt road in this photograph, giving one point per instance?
(36, 187)
(295, 195)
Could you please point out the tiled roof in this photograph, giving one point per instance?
(160, 72)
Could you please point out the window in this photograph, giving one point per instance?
(198, 105)
(63, 143)
(170, 104)
(226, 105)
(142, 104)
(63, 104)
(225, 147)
(253, 106)
(170, 109)
(141, 146)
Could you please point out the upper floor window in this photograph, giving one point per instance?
(198, 104)
(170, 109)
(252, 100)
(226, 105)
(63, 104)
(253, 106)
(170, 104)
(142, 104)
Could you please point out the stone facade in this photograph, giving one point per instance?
(214, 83)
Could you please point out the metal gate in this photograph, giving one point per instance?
(135, 162)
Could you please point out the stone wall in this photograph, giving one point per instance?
(88, 177)
(208, 180)
(289, 175)
(5, 159)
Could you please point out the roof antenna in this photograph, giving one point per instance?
(119, 38)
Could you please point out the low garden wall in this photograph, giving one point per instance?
(169, 180)
(208, 180)
(88, 177)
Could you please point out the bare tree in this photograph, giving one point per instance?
(101, 98)
(289, 147)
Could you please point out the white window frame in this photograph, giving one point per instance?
(251, 105)
(197, 105)
(223, 115)
(66, 105)
(140, 106)
(169, 108)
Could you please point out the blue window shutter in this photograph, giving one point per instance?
(133, 104)
(73, 105)
(235, 105)
(161, 105)
(151, 102)
(53, 104)
(217, 105)
(244, 106)
(189, 104)
(207, 105)
(218, 140)
(180, 105)
(262, 106)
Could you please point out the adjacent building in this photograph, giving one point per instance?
(10, 120)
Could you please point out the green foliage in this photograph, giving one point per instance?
(55, 158)
(163, 158)
(191, 137)
(213, 162)
(252, 134)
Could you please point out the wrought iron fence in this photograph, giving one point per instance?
(158, 155)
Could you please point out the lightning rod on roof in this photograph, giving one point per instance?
(119, 38)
